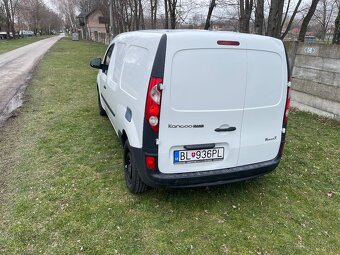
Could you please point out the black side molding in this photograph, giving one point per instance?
(108, 106)
(159, 63)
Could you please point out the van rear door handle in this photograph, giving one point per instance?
(228, 129)
(199, 146)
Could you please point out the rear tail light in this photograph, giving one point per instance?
(150, 162)
(285, 119)
(287, 107)
(153, 103)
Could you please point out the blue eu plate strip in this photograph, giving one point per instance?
(176, 156)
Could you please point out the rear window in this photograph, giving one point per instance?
(208, 79)
(226, 79)
(264, 79)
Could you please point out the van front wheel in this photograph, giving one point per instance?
(133, 181)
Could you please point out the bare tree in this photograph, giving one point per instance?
(34, 9)
(212, 5)
(86, 6)
(166, 14)
(172, 5)
(246, 8)
(291, 20)
(336, 33)
(68, 9)
(259, 17)
(286, 14)
(153, 8)
(34, 15)
(323, 15)
(10, 7)
(275, 18)
(49, 21)
(2, 16)
(306, 20)
(141, 14)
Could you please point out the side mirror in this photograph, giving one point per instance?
(96, 63)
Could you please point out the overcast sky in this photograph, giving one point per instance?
(49, 4)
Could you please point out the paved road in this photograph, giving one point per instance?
(16, 68)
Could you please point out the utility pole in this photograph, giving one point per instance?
(111, 17)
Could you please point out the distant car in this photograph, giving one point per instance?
(25, 33)
(195, 108)
(3, 35)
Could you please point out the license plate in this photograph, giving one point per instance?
(185, 156)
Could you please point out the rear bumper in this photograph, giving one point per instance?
(155, 178)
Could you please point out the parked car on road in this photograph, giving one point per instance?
(195, 108)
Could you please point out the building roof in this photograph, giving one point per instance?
(85, 15)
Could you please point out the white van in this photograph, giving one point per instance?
(195, 108)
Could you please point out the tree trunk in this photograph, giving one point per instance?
(246, 8)
(154, 13)
(241, 21)
(151, 14)
(277, 31)
(249, 9)
(12, 10)
(291, 20)
(9, 25)
(259, 17)
(119, 28)
(141, 14)
(306, 20)
(135, 10)
(286, 14)
(323, 22)
(172, 9)
(166, 14)
(273, 17)
(127, 20)
(336, 34)
(211, 8)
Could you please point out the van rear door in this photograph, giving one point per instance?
(267, 80)
(202, 105)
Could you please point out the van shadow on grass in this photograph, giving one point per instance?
(204, 198)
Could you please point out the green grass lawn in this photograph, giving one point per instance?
(8, 45)
(62, 189)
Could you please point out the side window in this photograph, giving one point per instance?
(118, 61)
(136, 64)
(107, 58)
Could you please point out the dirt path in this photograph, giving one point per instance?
(16, 67)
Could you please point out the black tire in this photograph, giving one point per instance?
(101, 110)
(132, 180)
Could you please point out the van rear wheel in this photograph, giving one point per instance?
(101, 110)
(133, 182)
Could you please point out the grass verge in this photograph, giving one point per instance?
(62, 188)
(8, 45)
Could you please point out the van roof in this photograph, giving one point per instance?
(205, 37)
(167, 31)
(196, 32)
